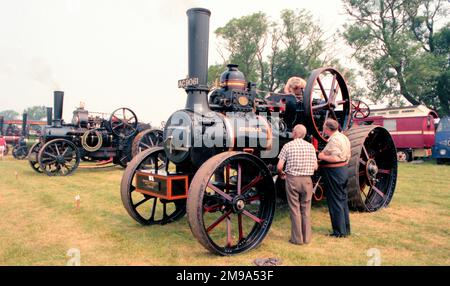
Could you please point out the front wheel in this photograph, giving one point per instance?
(231, 203)
(20, 152)
(143, 208)
(59, 157)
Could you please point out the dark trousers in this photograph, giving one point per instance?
(335, 181)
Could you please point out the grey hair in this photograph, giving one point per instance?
(300, 129)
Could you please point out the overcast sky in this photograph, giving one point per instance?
(114, 53)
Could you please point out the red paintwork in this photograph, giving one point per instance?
(420, 124)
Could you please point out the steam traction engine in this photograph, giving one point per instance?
(89, 138)
(219, 156)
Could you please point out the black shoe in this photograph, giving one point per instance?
(333, 234)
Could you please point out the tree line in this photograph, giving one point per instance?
(403, 47)
(34, 113)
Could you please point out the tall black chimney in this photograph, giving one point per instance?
(58, 106)
(1, 125)
(24, 124)
(198, 35)
(49, 115)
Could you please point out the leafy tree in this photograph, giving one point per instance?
(244, 38)
(394, 40)
(9, 114)
(270, 52)
(36, 112)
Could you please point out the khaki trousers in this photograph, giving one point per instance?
(299, 194)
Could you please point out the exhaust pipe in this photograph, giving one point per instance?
(58, 99)
(198, 35)
(1, 125)
(49, 115)
(24, 124)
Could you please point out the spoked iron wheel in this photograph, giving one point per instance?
(58, 157)
(20, 152)
(32, 157)
(360, 109)
(147, 139)
(231, 203)
(326, 96)
(144, 208)
(372, 168)
(123, 122)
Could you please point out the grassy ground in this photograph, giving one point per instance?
(39, 224)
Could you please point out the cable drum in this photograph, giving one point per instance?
(86, 135)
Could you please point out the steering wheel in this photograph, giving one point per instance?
(360, 109)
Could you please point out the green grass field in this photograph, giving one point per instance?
(39, 224)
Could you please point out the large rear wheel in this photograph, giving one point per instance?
(372, 168)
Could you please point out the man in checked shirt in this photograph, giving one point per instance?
(301, 162)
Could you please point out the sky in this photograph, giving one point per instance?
(116, 53)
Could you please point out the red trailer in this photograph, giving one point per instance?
(411, 127)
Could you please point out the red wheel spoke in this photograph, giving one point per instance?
(227, 178)
(332, 92)
(212, 208)
(51, 155)
(322, 89)
(251, 184)
(336, 91)
(383, 171)
(241, 232)
(252, 216)
(239, 179)
(333, 115)
(320, 106)
(220, 192)
(378, 191)
(365, 152)
(362, 173)
(229, 237)
(118, 125)
(57, 149)
(217, 221)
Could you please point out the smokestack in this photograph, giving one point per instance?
(58, 100)
(49, 115)
(24, 124)
(198, 35)
(1, 125)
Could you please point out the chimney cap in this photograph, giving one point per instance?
(199, 10)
